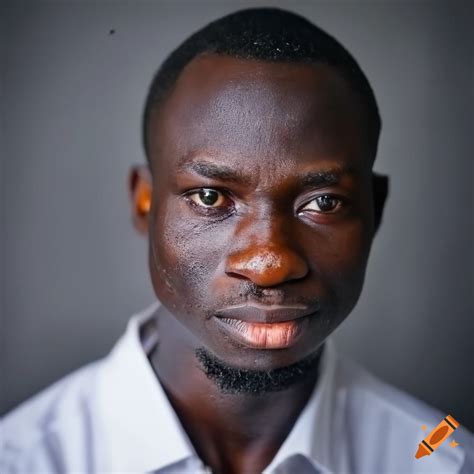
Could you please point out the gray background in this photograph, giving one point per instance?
(72, 269)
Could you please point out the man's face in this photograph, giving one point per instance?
(262, 208)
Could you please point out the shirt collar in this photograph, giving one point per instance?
(141, 430)
(143, 433)
(310, 436)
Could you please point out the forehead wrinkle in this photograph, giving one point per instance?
(220, 165)
(324, 174)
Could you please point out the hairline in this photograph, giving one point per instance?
(155, 106)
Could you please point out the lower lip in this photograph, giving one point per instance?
(264, 335)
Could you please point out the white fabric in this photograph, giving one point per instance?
(112, 416)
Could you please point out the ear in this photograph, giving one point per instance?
(140, 193)
(380, 187)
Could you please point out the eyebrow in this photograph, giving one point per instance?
(214, 171)
(323, 178)
(222, 172)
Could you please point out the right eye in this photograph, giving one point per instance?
(208, 198)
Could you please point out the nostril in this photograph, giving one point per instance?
(237, 275)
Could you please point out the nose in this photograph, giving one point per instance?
(267, 264)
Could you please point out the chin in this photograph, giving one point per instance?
(265, 375)
(242, 357)
(261, 347)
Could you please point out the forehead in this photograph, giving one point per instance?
(259, 112)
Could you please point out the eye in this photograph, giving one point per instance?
(323, 204)
(209, 198)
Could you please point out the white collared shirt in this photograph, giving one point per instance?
(113, 416)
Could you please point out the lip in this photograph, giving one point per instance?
(264, 314)
(280, 335)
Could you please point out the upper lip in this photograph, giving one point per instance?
(264, 313)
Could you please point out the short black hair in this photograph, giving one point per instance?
(265, 34)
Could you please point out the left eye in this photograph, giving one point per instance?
(208, 198)
(323, 204)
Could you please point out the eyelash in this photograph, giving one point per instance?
(208, 210)
(214, 211)
(339, 204)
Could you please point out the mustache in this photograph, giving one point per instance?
(248, 292)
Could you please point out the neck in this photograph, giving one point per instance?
(231, 432)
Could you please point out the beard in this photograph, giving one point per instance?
(232, 380)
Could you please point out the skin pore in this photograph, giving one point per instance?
(262, 197)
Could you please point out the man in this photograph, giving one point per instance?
(260, 205)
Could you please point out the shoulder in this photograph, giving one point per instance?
(38, 427)
(62, 429)
(388, 425)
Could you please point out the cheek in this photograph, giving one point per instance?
(340, 259)
(187, 254)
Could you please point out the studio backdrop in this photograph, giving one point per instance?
(72, 85)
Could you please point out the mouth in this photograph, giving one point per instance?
(264, 326)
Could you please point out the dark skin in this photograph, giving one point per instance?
(288, 215)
